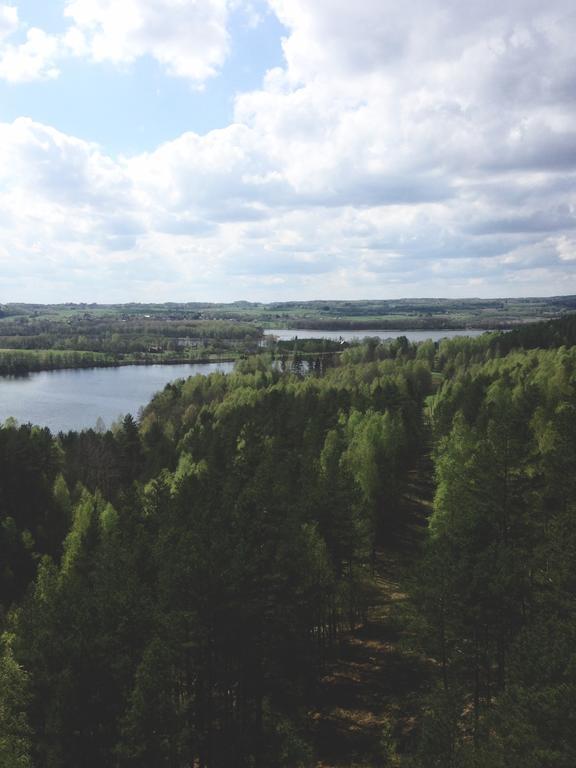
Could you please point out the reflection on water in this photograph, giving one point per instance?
(286, 334)
(75, 399)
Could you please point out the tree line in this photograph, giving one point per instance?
(117, 335)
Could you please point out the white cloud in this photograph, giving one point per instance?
(401, 150)
(189, 38)
(35, 59)
(58, 169)
(8, 20)
(59, 198)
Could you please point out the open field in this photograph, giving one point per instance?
(402, 313)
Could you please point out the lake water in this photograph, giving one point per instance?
(286, 334)
(74, 399)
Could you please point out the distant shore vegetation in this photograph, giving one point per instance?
(35, 337)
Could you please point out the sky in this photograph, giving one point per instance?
(269, 150)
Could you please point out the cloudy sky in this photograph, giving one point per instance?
(283, 149)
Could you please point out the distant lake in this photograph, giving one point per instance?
(74, 399)
(286, 334)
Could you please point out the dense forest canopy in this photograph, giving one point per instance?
(172, 589)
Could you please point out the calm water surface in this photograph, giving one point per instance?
(74, 399)
(286, 334)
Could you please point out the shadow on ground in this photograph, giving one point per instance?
(368, 697)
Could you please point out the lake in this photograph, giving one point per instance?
(74, 399)
(286, 334)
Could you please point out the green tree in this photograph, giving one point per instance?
(15, 732)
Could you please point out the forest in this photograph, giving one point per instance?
(182, 590)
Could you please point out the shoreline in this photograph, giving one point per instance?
(118, 364)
